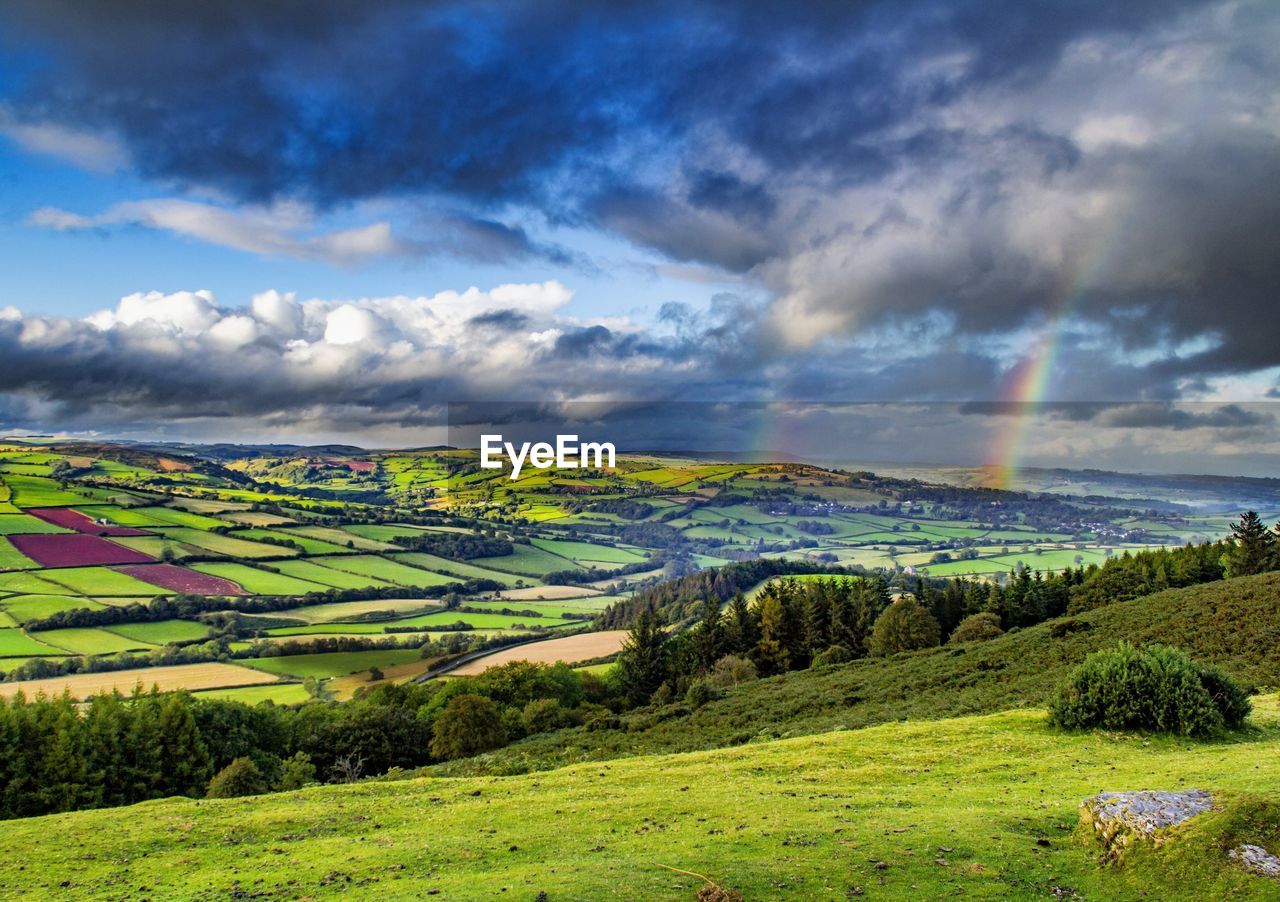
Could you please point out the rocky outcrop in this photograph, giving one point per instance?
(1257, 860)
(1117, 818)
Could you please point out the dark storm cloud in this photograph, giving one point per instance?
(863, 163)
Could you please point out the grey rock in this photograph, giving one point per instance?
(1119, 817)
(1257, 860)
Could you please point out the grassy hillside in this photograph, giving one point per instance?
(977, 807)
(1233, 623)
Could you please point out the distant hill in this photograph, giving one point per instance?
(1232, 623)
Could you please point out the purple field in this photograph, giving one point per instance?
(71, 519)
(75, 551)
(180, 579)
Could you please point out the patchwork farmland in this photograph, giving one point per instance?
(299, 569)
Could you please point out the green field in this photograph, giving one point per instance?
(479, 621)
(386, 570)
(325, 576)
(227, 545)
(89, 641)
(176, 517)
(259, 582)
(352, 610)
(276, 693)
(446, 566)
(34, 491)
(382, 532)
(102, 581)
(34, 607)
(15, 643)
(586, 551)
(529, 560)
(970, 807)
(162, 632)
(20, 524)
(331, 664)
(308, 545)
(340, 537)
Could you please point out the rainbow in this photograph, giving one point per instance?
(1031, 378)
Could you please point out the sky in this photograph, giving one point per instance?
(313, 220)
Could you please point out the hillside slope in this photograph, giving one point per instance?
(1233, 623)
(978, 806)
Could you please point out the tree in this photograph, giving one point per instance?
(771, 651)
(1253, 547)
(904, 626)
(743, 628)
(296, 772)
(239, 778)
(977, 628)
(642, 662)
(468, 725)
(709, 638)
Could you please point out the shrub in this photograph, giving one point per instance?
(296, 772)
(469, 725)
(700, 692)
(835, 654)
(905, 625)
(545, 714)
(239, 778)
(977, 628)
(1158, 688)
(731, 670)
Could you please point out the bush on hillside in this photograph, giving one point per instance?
(701, 692)
(1158, 688)
(905, 625)
(239, 778)
(732, 670)
(469, 725)
(977, 628)
(835, 654)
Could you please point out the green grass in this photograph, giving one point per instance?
(156, 546)
(352, 610)
(325, 576)
(331, 664)
(13, 559)
(34, 607)
(228, 545)
(276, 693)
(20, 524)
(528, 560)
(972, 807)
(28, 582)
(15, 643)
(1234, 624)
(383, 532)
(162, 632)
(259, 582)
(340, 537)
(176, 517)
(89, 641)
(479, 621)
(387, 571)
(35, 491)
(102, 581)
(457, 568)
(585, 551)
(308, 545)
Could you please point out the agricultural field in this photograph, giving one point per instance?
(208, 536)
(570, 649)
(333, 664)
(192, 677)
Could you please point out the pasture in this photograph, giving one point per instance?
(192, 677)
(332, 664)
(569, 649)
